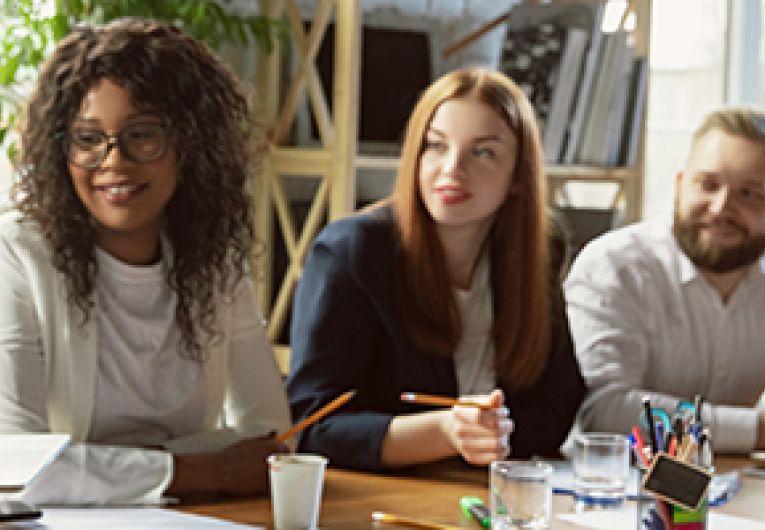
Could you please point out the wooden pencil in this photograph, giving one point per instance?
(400, 520)
(339, 401)
(442, 401)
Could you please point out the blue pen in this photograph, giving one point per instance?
(570, 492)
(659, 436)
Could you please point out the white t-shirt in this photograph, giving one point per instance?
(474, 356)
(146, 391)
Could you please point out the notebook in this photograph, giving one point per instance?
(23, 456)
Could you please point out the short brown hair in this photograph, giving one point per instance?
(748, 122)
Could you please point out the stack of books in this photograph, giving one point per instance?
(588, 87)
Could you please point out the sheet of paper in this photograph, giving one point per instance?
(123, 519)
(25, 455)
(626, 518)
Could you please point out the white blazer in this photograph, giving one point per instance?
(48, 370)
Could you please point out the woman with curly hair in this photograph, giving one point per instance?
(451, 287)
(126, 316)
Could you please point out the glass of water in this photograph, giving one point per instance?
(601, 466)
(520, 495)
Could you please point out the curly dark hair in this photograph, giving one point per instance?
(208, 220)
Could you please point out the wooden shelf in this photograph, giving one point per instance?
(592, 173)
(383, 163)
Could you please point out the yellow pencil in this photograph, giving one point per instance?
(388, 518)
(443, 401)
(339, 401)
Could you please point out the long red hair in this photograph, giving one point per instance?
(518, 239)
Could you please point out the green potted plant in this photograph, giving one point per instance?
(30, 28)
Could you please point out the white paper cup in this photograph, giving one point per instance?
(296, 486)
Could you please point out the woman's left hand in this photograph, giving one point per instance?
(481, 435)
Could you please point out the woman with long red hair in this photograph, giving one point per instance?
(449, 287)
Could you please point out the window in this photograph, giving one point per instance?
(687, 80)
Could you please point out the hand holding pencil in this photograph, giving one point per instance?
(477, 427)
(442, 401)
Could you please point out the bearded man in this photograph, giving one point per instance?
(674, 311)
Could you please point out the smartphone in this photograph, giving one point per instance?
(14, 510)
(755, 471)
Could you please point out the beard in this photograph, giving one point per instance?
(713, 257)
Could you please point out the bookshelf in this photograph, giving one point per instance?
(332, 165)
(628, 181)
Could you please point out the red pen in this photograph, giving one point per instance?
(639, 445)
(672, 450)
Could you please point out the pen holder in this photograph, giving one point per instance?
(655, 513)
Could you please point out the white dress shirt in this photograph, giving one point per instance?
(54, 376)
(645, 321)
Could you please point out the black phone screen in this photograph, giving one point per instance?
(13, 510)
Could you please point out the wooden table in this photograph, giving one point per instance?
(432, 494)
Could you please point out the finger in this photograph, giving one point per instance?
(496, 398)
(492, 420)
(465, 432)
(483, 451)
(502, 412)
(493, 444)
(506, 427)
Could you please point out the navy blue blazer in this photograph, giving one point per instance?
(347, 333)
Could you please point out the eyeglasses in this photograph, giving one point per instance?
(138, 142)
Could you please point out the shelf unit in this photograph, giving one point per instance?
(334, 164)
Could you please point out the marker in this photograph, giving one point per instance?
(651, 429)
(475, 508)
(705, 450)
(698, 402)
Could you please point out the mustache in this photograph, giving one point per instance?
(697, 224)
